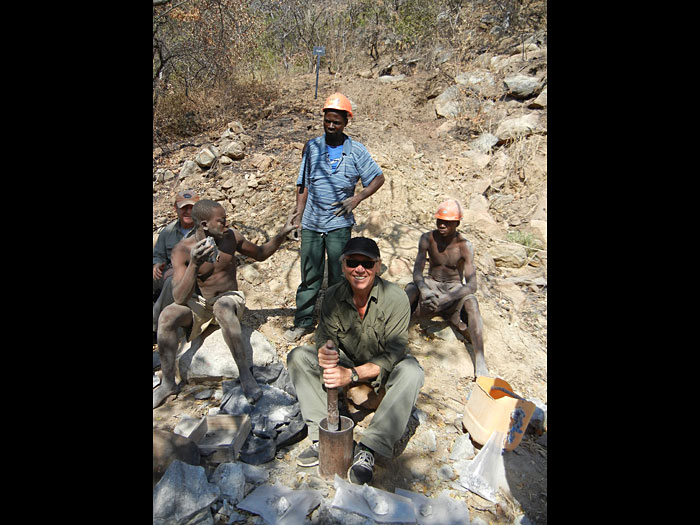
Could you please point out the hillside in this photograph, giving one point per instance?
(489, 152)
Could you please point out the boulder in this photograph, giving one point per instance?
(538, 228)
(484, 142)
(189, 168)
(234, 149)
(214, 194)
(261, 162)
(400, 267)
(523, 86)
(250, 274)
(231, 181)
(477, 159)
(482, 221)
(167, 447)
(210, 357)
(540, 102)
(235, 126)
(509, 255)
(480, 82)
(447, 104)
(206, 157)
(514, 128)
(511, 291)
(444, 129)
(182, 493)
(230, 479)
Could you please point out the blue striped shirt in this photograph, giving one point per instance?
(327, 186)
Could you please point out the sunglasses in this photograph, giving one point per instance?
(354, 263)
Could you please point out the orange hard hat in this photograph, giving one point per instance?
(338, 101)
(449, 210)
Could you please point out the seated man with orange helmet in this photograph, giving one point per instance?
(450, 285)
(330, 168)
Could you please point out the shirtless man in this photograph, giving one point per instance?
(451, 282)
(206, 291)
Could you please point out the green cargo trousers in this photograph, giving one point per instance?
(314, 246)
(391, 417)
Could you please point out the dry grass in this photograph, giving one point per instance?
(179, 116)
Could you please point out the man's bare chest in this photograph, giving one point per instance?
(448, 256)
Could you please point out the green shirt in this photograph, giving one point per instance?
(380, 338)
(167, 239)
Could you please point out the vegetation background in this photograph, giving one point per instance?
(210, 56)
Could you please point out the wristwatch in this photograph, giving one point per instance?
(355, 377)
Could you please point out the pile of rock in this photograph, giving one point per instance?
(275, 417)
(185, 494)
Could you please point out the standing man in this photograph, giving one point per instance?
(205, 289)
(450, 285)
(172, 234)
(331, 166)
(366, 319)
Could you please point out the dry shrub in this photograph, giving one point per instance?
(178, 115)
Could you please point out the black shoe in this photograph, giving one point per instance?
(294, 334)
(362, 468)
(309, 457)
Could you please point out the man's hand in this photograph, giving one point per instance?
(200, 253)
(158, 271)
(328, 355)
(346, 206)
(296, 222)
(429, 300)
(292, 222)
(334, 376)
(337, 377)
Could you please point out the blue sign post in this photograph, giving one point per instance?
(318, 51)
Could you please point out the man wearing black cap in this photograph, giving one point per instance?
(366, 319)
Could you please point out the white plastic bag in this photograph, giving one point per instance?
(486, 473)
(279, 505)
(441, 510)
(379, 505)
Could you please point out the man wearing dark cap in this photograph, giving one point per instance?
(362, 337)
(172, 234)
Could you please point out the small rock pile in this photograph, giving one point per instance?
(275, 417)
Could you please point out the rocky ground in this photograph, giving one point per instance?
(488, 149)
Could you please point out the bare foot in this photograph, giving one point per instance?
(481, 369)
(161, 393)
(251, 389)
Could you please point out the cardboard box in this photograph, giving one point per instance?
(221, 437)
(494, 407)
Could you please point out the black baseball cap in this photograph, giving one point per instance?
(363, 246)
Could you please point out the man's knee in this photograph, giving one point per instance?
(226, 310)
(300, 358)
(296, 356)
(173, 316)
(471, 305)
(409, 371)
(293, 357)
